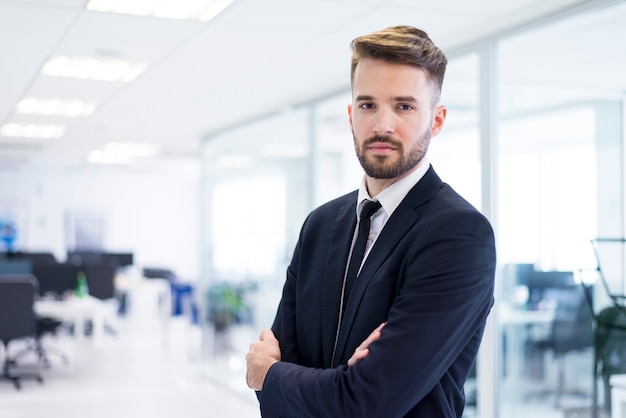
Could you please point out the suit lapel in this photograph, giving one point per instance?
(400, 222)
(336, 259)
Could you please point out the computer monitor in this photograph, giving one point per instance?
(539, 281)
(16, 266)
(56, 279)
(34, 257)
(84, 257)
(124, 259)
(97, 257)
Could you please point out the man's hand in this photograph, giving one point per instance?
(363, 350)
(260, 357)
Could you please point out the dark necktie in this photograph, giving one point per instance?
(358, 251)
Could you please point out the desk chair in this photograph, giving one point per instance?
(54, 279)
(101, 283)
(44, 326)
(101, 280)
(17, 320)
(609, 350)
(571, 331)
(609, 317)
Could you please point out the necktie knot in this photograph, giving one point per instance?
(369, 208)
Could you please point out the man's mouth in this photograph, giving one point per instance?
(381, 148)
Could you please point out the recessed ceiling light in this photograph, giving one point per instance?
(89, 68)
(32, 130)
(55, 107)
(202, 10)
(121, 153)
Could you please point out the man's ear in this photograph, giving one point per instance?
(439, 118)
(350, 116)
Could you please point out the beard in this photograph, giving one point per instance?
(388, 167)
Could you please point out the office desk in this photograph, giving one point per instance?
(147, 298)
(515, 323)
(77, 311)
(512, 316)
(139, 288)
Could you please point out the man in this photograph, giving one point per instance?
(402, 340)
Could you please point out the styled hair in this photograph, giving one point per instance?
(402, 45)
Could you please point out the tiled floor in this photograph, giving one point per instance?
(143, 371)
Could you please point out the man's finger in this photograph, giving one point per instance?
(267, 335)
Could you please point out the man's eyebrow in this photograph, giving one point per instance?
(410, 99)
(364, 97)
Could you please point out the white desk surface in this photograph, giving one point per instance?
(77, 310)
(509, 315)
(515, 324)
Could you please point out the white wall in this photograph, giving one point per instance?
(151, 211)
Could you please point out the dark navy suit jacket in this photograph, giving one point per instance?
(429, 275)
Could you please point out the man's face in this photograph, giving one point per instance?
(392, 117)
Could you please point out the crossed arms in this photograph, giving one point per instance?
(266, 351)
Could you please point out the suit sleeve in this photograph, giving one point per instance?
(284, 326)
(440, 309)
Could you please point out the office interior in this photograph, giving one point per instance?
(534, 139)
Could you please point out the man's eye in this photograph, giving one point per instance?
(366, 106)
(405, 107)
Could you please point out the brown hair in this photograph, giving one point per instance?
(402, 45)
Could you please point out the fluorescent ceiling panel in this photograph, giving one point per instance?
(89, 68)
(32, 130)
(55, 107)
(202, 10)
(121, 152)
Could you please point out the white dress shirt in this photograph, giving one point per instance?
(389, 198)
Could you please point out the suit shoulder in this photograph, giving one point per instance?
(451, 205)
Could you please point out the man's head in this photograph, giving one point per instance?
(402, 45)
(396, 83)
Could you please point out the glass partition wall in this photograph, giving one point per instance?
(560, 184)
(257, 189)
(557, 178)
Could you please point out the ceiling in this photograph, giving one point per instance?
(255, 58)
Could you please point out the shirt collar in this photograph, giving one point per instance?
(391, 196)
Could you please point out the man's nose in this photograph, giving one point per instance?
(385, 123)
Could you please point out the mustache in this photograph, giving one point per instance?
(382, 138)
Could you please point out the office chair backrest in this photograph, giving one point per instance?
(572, 328)
(101, 279)
(56, 278)
(610, 256)
(17, 299)
(610, 340)
(123, 259)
